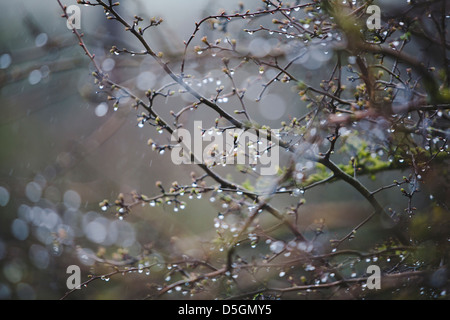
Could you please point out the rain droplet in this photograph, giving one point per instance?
(101, 109)
(310, 267)
(5, 60)
(277, 246)
(33, 191)
(35, 77)
(4, 196)
(41, 40)
(352, 59)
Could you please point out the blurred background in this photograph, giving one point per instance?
(63, 148)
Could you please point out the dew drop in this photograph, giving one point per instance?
(277, 246)
(35, 77)
(310, 268)
(4, 196)
(5, 60)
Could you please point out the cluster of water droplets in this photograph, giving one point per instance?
(57, 221)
